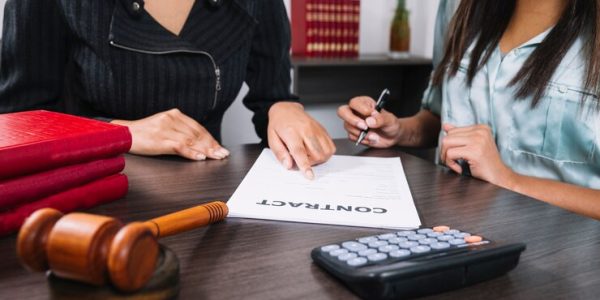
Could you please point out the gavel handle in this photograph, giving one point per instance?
(188, 219)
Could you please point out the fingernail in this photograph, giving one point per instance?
(373, 137)
(286, 163)
(371, 121)
(362, 125)
(227, 153)
(223, 152)
(216, 153)
(201, 157)
(309, 174)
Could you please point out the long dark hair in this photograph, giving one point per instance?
(484, 22)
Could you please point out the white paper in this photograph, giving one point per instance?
(347, 190)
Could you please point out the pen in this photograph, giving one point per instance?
(378, 106)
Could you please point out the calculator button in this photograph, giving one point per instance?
(439, 245)
(329, 248)
(377, 244)
(462, 235)
(356, 262)
(473, 239)
(408, 244)
(457, 242)
(368, 239)
(347, 256)
(434, 234)
(416, 237)
(420, 249)
(427, 241)
(354, 246)
(425, 230)
(338, 252)
(377, 257)
(452, 232)
(367, 252)
(399, 253)
(441, 228)
(386, 236)
(445, 238)
(388, 248)
(397, 240)
(405, 233)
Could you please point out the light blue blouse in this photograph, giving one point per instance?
(557, 139)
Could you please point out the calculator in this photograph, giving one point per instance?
(412, 263)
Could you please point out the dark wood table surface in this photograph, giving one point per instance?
(256, 259)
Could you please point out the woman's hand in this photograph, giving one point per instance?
(172, 132)
(294, 136)
(476, 145)
(360, 114)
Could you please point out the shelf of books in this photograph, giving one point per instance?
(325, 28)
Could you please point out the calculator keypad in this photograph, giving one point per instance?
(399, 245)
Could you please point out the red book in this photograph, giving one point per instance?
(349, 31)
(311, 28)
(355, 28)
(92, 194)
(39, 140)
(319, 41)
(338, 28)
(328, 22)
(299, 27)
(21, 190)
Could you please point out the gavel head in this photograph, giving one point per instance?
(88, 248)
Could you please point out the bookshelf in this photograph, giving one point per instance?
(321, 81)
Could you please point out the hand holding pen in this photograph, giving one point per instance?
(381, 128)
(378, 106)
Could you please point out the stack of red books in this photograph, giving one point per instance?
(325, 28)
(49, 159)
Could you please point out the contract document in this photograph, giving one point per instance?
(347, 190)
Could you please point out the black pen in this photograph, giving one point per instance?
(378, 106)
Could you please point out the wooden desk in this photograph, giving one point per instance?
(255, 259)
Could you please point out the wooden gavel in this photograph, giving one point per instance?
(92, 248)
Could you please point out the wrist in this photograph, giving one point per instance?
(400, 128)
(120, 122)
(284, 105)
(510, 180)
(406, 133)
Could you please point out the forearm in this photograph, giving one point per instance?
(420, 130)
(571, 197)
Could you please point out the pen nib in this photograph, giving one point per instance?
(361, 137)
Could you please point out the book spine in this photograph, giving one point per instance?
(98, 192)
(347, 31)
(337, 25)
(319, 25)
(328, 21)
(37, 157)
(299, 27)
(311, 31)
(29, 188)
(355, 28)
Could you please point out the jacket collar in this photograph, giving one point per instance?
(134, 29)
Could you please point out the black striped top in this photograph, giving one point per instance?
(103, 58)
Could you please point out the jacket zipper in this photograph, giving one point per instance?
(212, 60)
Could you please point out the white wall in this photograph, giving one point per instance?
(376, 16)
(2, 2)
